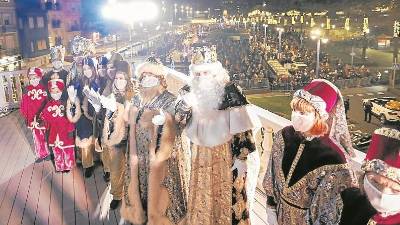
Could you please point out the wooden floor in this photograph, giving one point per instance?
(32, 193)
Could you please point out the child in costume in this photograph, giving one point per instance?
(33, 101)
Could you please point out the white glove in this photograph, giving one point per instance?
(109, 103)
(93, 97)
(272, 218)
(72, 93)
(241, 166)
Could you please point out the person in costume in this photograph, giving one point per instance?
(114, 139)
(83, 114)
(60, 130)
(219, 125)
(32, 102)
(378, 201)
(157, 171)
(307, 170)
(57, 54)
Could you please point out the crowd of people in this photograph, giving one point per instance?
(192, 158)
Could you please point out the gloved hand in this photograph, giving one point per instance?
(72, 93)
(241, 167)
(272, 218)
(93, 97)
(109, 103)
(159, 119)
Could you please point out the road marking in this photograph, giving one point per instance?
(350, 95)
(381, 93)
(370, 94)
(360, 95)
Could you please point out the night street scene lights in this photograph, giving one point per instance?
(280, 31)
(316, 35)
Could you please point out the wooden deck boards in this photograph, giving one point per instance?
(34, 194)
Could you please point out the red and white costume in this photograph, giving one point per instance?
(60, 131)
(33, 100)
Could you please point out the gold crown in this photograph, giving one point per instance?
(203, 55)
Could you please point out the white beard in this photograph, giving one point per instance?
(206, 93)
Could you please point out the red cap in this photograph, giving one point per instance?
(56, 83)
(325, 90)
(35, 71)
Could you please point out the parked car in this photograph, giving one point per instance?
(381, 108)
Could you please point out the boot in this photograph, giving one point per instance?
(106, 177)
(114, 204)
(88, 172)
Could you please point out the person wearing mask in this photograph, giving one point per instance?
(157, 173)
(59, 129)
(377, 201)
(83, 114)
(307, 170)
(33, 100)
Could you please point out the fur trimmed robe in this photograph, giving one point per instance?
(155, 185)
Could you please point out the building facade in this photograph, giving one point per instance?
(32, 32)
(64, 18)
(8, 29)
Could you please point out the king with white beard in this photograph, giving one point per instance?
(219, 127)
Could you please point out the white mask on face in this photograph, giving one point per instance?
(382, 202)
(303, 122)
(57, 64)
(120, 84)
(34, 81)
(102, 72)
(56, 96)
(88, 73)
(149, 82)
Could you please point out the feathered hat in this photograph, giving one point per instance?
(327, 100)
(383, 156)
(80, 46)
(57, 53)
(204, 59)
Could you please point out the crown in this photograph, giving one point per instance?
(204, 55)
(81, 46)
(57, 53)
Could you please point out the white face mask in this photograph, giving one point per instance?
(303, 122)
(382, 202)
(120, 84)
(88, 73)
(56, 96)
(102, 72)
(149, 82)
(57, 64)
(34, 81)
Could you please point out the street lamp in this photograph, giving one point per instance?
(316, 35)
(280, 31)
(265, 32)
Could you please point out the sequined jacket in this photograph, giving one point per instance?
(304, 179)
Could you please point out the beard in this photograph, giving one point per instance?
(207, 93)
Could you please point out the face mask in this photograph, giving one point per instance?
(34, 82)
(303, 122)
(56, 96)
(102, 72)
(382, 202)
(88, 73)
(120, 84)
(149, 82)
(57, 64)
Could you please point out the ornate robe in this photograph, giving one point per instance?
(33, 101)
(219, 137)
(60, 135)
(157, 168)
(305, 178)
